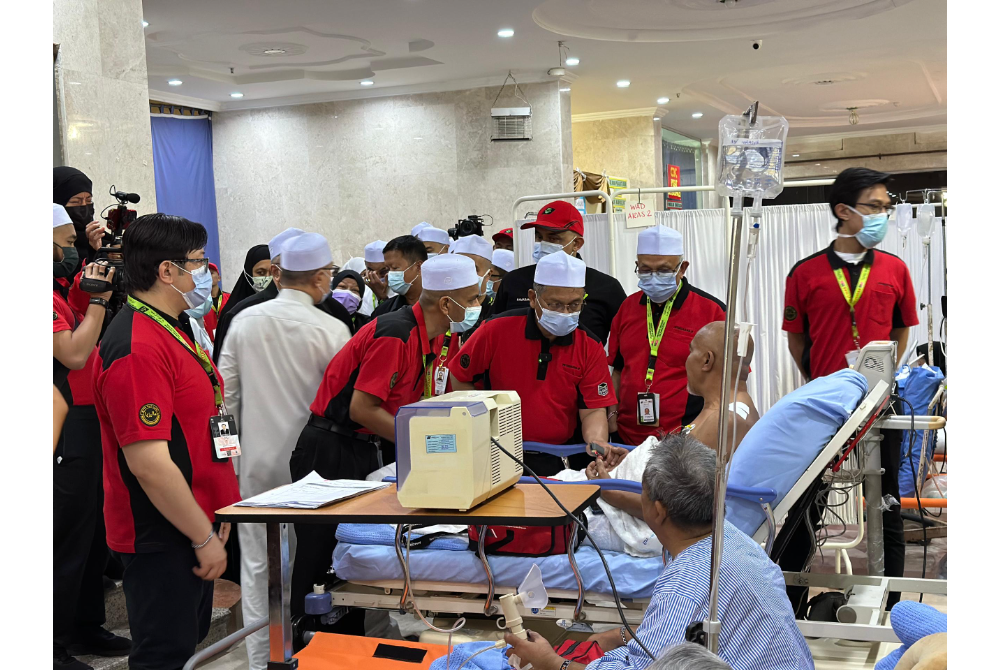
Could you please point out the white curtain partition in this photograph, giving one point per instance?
(788, 234)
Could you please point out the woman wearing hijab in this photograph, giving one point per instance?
(255, 279)
(348, 289)
(73, 190)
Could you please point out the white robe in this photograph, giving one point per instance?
(275, 356)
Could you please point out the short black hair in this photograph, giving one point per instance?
(849, 184)
(408, 246)
(155, 238)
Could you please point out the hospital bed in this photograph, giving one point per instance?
(455, 582)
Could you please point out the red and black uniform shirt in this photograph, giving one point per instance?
(148, 386)
(454, 341)
(75, 385)
(628, 352)
(211, 320)
(815, 306)
(386, 358)
(554, 380)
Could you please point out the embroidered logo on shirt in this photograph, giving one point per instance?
(55, 317)
(602, 389)
(392, 381)
(149, 414)
(790, 313)
(465, 361)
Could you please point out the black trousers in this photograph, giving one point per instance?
(332, 456)
(798, 544)
(79, 545)
(169, 608)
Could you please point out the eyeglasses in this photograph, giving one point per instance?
(877, 207)
(569, 308)
(643, 274)
(199, 262)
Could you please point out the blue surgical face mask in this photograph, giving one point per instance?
(200, 312)
(491, 291)
(432, 254)
(543, 249)
(396, 281)
(558, 323)
(202, 291)
(873, 232)
(658, 286)
(469, 320)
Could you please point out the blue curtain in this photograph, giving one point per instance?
(182, 168)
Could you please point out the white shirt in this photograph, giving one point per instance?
(275, 356)
(201, 335)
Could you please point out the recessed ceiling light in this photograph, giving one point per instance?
(623, 83)
(564, 90)
(418, 138)
(656, 118)
(819, 165)
(572, 60)
(145, 24)
(795, 155)
(697, 115)
(175, 82)
(76, 83)
(367, 82)
(505, 32)
(237, 94)
(662, 101)
(274, 52)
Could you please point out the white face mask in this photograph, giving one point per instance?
(545, 248)
(258, 283)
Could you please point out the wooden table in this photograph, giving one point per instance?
(521, 505)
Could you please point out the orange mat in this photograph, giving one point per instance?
(328, 651)
(911, 503)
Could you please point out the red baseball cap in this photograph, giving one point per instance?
(212, 267)
(506, 232)
(558, 215)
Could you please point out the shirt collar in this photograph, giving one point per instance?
(533, 332)
(682, 294)
(418, 315)
(295, 295)
(836, 262)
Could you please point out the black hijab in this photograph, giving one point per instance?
(244, 287)
(67, 182)
(345, 274)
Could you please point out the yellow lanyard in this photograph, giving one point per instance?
(198, 353)
(852, 300)
(429, 371)
(656, 335)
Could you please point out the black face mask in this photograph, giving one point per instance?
(81, 215)
(67, 266)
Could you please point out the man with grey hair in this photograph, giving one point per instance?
(689, 656)
(678, 504)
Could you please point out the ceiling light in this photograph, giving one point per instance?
(505, 32)
(175, 82)
(819, 165)
(236, 95)
(662, 101)
(623, 83)
(76, 83)
(852, 117)
(697, 115)
(418, 138)
(145, 24)
(795, 155)
(367, 82)
(656, 118)
(572, 60)
(564, 90)
(274, 52)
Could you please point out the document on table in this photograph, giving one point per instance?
(312, 492)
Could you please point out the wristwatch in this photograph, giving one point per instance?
(99, 301)
(621, 631)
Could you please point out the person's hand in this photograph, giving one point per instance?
(612, 455)
(928, 653)
(224, 533)
(597, 470)
(379, 287)
(608, 640)
(211, 560)
(100, 271)
(535, 650)
(95, 234)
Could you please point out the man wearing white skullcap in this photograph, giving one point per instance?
(387, 364)
(436, 241)
(502, 263)
(274, 359)
(557, 368)
(651, 338)
(376, 272)
(420, 226)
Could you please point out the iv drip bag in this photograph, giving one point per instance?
(904, 218)
(925, 220)
(751, 156)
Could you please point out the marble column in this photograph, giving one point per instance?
(102, 96)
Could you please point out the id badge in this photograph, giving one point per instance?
(440, 380)
(225, 438)
(852, 358)
(648, 411)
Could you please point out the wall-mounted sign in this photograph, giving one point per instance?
(673, 179)
(616, 184)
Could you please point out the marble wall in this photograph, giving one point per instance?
(103, 97)
(360, 170)
(627, 147)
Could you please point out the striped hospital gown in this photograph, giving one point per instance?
(758, 626)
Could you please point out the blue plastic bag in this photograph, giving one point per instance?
(917, 386)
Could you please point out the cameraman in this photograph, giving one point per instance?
(157, 395)
(79, 552)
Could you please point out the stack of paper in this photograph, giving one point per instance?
(312, 492)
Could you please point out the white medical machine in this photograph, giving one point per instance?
(445, 458)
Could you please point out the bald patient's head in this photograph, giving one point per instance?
(704, 363)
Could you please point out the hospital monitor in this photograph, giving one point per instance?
(444, 456)
(877, 361)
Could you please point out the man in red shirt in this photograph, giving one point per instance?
(651, 338)
(557, 368)
(157, 396)
(351, 429)
(837, 301)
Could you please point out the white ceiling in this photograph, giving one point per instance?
(885, 57)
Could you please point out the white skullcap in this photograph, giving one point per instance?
(448, 272)
(274, 246)
(373, 251)
(432, 234)
(660, 241)
(473, 244)
(308, 251)
(59, 216)
(561, 270)
(503, 259)
(420, 226)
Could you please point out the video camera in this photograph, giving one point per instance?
(473, 225)
(118, 219)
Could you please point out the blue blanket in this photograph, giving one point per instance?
(917, 386)
(384, 534)
(494, 659)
